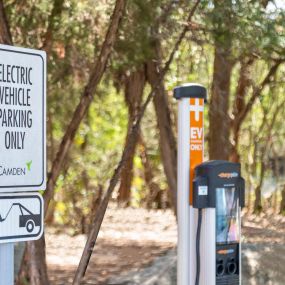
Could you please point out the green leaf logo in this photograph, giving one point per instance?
(29, 165)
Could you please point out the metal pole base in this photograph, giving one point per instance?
(7, 264)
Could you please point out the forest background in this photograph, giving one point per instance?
(112, 118)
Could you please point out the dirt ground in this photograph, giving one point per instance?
(132, 238)
(266, 228)
(129, 239)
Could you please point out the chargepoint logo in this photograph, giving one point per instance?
(228, 175)
(15, 171)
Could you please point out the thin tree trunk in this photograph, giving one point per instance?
(258, 196)
(257, 202)
(91, 241)
(85, 100)
(153, 187)
(155, 72)
(51, 153)
(167, 141)
(36, 269)
(37, 262)
(248, 202)
(275, 201)
(54, 17)
(38, 250)
(134, 88)
(282, 204)
(88, 249)
(241, 109)
(239, 104)
(5, 34)
(94, 205)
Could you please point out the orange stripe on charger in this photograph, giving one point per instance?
(196, 138)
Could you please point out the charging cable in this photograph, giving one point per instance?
(198, 236)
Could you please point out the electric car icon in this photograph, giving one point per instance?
(27, 219)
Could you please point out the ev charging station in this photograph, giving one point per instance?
(210, 196)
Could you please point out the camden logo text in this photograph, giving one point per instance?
(15, 171)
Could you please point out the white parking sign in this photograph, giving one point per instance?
(21, 217)
(22, 119)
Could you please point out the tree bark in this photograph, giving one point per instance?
(134, 88)
(219, 124)
(155, 74)
(244, 83)
(282, 204)
(267, 138)
(39, 268)
(153, 187)
(56, 13)
(5, 34)
(91, 241)
(89, 246)
(258, 201)
(242, 108)
(85, 100)
(51, 153)
(37, 262)
(167, 141)
(34, 256)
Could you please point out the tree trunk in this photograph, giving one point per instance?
(95, 202)
(257, 203)
(134, 88)
(5, 35)
(52, 25)
(241, 109)
(36, 249)
(91, 241)
(282, 204)
(37, 262)
(85, 100)
(23, 274)
(51, 153)
(153, 187)
(239, 105)
(167, 141)
(258, 197)
(219, 124)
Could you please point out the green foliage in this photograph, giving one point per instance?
(244, 27)
(247, 27)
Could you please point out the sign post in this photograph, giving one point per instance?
(191, 99)
(22, 150)
(7, 264)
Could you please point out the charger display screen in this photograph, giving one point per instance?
(227, 215)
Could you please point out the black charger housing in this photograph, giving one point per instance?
(215, 174)
(218, 184)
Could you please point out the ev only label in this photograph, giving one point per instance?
(22, 119)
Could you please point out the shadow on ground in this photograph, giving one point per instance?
(263, 264)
